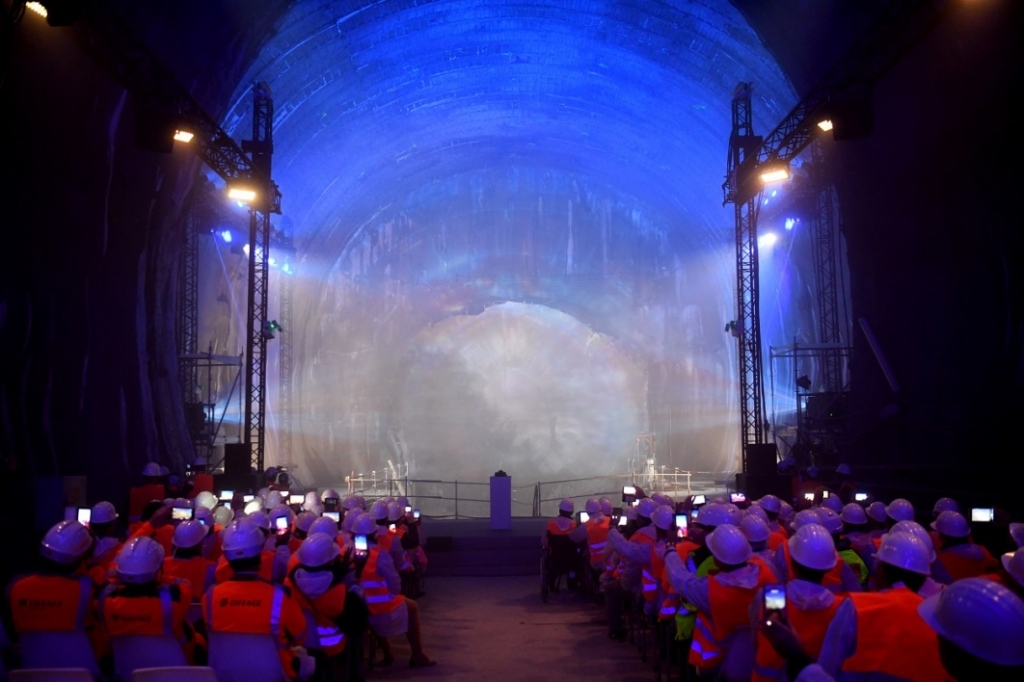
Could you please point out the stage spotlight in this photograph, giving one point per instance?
(226, 236)
(767, 240)
(825, 124)
(804, 382)
(790, 223)
(183, 136)
(242, 192)
(270, 329)
(37, 8)
(774, 171)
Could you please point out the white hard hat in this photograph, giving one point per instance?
(242, 539)
(189, 534)
(164, 471)
(952, 524)
(606, 506)
(945, 504)
(854, 514)
(916, 529)
(755, 528)
(1013, 562)
(330, 493)
(900, 510)
(304, 521)
(906, 551)
(395, 511)
(832, 502)
(311, 500)
(66, 542)
(254, 505)
(876, 511)
(222, 516)
(350, 518)
(102, 512)
(566, 505)
(281, 510)
(646, 507)
(325, 525)
(812, 546)
(662, 517)
(140, 560)
(806, 517)
(830, 519)
(206, 499)
(981, 617)
(770, 503)
(263, 492)
(152, 470)
(181, 503)
(593, 506)
(261, 519)
(318, 549)
(364, 525)
(844, 469)
(1017, 533)
(728, 545)
(379, 510)
(787, 511)
(716, 514)
(274, 498)
(661, 498)
(756, 510)
(352, 502)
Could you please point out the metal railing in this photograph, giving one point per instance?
(439, 498)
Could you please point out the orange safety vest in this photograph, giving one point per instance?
(730, 610)
(776, 538)
(253, 606)
(959, 566)
(99, 567)
(51, 602)
(322, 616)
(379, 599)
(892, 639)
(165, 536)
(164, 612)
(597, 538)
(650, 577)
(553, 528)
(141, 495)
(385, 541)
(810, 627)
(196, 570)
(672, 601)
(224, 572)
(201, 482)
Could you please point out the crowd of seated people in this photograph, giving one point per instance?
(319, 579)
(813, 589)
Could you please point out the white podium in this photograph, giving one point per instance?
(501, 503)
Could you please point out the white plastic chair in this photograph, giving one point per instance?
(51, 675)
(58, 649)
(239, 657)
(174, 674)
(132, 652)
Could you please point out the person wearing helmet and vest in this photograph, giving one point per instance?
(594, 532)
(839, 579)
(273, 566)
(387, 540)
(563, 524)
(319, 586)
(810, 606)
(756, 530)
(980, 625)
(103, 527)
(881, 633)
(187, 561)
(961, 557)
(246, 603)
(772, 507)
(58, 597)
(633, 554)
(300, 529)
(722, 602)
(833, 523)
(391, 614)
(1012, 574)
(140, 603)
(152, 488)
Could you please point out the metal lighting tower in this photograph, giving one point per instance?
(188, 310)
(743, 190)
(261, 148)
(831, 327)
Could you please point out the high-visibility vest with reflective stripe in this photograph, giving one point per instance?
(379, 599)
(959, 566)
(833, 580)
(730, 609)
(892, 639)
(855, 563)
(50, 602)
(224, 572)
(196, 570)
(386, 540)
(146, 614)
(810, 627)
(322, 613)
(672, 601)
(650, 574)
(553, 528)
(597, 538)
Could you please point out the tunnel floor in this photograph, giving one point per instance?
(499, 629)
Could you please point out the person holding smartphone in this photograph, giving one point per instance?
(391, 614)
(959, 556)
(593, 532)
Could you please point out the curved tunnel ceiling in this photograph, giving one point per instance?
(436, 158)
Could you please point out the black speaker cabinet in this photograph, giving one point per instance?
(237, 458)
(762, 459)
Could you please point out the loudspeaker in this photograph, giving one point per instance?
(761, 459)
(757, 487)
(237, 458)
(241, 483)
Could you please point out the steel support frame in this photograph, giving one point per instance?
(823, 245)
(188, 309)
